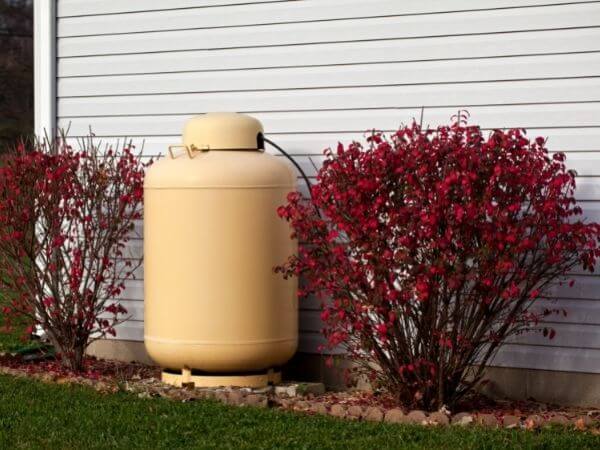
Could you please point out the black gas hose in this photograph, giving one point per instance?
(294, 162)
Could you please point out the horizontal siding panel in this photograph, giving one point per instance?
(382, 51)
(523, 116)
(527, 116)
(405, 27)
(567, 334)
(93, 7)
(134, 290)
(129, 331)
(394, 74)
(584, 163)
(286, 122)
(512, 355)
(548, 358)
(135, 310)
(588, 188)
(311, 342)
(195, 16)
(583, 288)
(583, 140)
(429, 96)
(585, 312)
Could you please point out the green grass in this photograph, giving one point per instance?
(37, 415)
(11, 341)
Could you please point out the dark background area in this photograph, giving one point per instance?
(16, 71)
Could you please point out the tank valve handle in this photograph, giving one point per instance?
(189, 150)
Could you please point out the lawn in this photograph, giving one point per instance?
(38, 415)
(10, 341)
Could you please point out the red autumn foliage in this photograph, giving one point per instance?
(65, 219)
(430, 247)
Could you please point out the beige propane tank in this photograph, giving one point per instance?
(215, 312)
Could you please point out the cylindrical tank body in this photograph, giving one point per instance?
(212, 237)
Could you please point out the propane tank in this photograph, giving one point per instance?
(215, 312)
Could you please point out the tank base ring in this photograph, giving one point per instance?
(254, 380)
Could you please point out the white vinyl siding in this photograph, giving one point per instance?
(316, 72)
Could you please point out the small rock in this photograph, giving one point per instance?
(462, 419)
(101, 386)
(296, 389)
(301, 405)
(257, 400)
(417, 417)
(355, 411)
(510, 421)
(487, 420)
(583, 422)
(319, 408)
(558, 419)
(47, 378)
(438, 418)
(373, 414)
(338, 411)
(394, 416)
(533, 421)
(221, 396)
(235, 398)
(283, 402)
(264, 390)
(207, 394)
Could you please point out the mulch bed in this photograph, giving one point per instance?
(113, 376)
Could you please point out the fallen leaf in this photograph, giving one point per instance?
(580, 424)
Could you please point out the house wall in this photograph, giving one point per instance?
(315, 72)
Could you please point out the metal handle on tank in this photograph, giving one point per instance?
(189, 150)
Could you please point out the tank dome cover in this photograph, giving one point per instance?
(223, 131)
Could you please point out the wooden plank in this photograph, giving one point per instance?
(367, 97)
(390, 74)
(379, 51)
(404, 27)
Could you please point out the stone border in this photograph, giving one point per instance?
(308, 398)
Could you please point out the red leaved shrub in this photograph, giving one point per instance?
(65, 219)
(429, 249)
